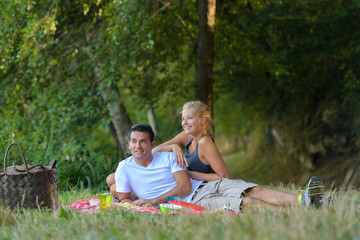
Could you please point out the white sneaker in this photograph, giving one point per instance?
(313, 194)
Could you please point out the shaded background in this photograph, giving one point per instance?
(281, 79)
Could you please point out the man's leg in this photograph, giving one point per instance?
(272, 196)
(256, 203)
(113, 190)
(110, 180)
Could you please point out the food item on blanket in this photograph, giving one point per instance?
(124, 205)
(188, 206)
(167, 208)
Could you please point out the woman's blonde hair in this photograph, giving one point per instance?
(202, 110)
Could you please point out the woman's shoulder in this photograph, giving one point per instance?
(206, 140)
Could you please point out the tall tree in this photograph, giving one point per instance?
(120, 119)
(204, 77)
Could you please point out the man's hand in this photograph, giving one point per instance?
(143, 203)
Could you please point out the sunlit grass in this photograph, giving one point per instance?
(340, 221)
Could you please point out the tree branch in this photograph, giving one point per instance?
(178, 17)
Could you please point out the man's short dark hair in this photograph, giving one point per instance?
(143, 128)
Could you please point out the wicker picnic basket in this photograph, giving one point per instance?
(28, 186)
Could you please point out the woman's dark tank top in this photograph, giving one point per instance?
(194, 161)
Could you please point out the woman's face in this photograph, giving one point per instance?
(191, 121)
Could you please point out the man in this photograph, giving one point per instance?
(155, 176)
(152, 177)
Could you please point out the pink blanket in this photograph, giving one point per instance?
(93, 206)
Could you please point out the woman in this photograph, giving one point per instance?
(204, 162)
(202, 157)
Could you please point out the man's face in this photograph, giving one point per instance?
(141, 146)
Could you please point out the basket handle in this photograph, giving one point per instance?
(22, 155)
(53, 164)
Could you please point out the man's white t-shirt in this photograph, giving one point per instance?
(151, 181)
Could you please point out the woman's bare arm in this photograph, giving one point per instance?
(204, 176)
(174, 145)
(209, 154)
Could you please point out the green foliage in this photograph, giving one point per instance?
(55, 55)
(292, 65)
(83, 169)
(294, 61)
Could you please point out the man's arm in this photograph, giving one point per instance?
(125, 197)
(182, 189)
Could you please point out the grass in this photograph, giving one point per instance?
(340, 221)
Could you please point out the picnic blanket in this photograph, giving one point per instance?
(90, 206)
(93, 206)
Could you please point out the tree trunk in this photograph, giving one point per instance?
(151, 118)
(119, 117)
(204, 78)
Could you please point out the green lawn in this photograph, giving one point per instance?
(340, 221)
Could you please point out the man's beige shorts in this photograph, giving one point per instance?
(216, 194)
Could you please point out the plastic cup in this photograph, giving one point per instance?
(166, 208)
(105, 201)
